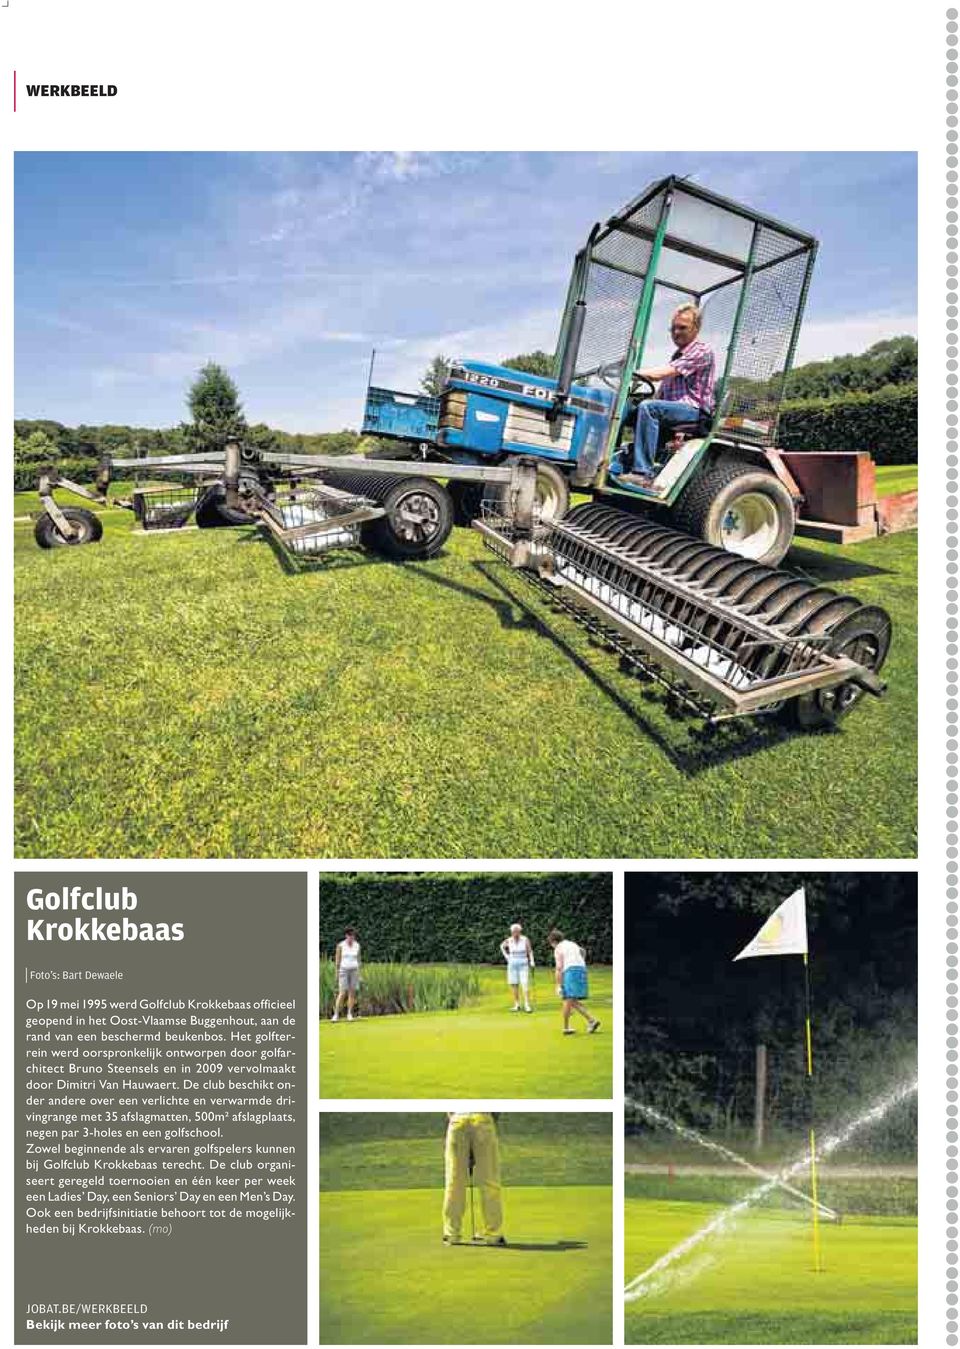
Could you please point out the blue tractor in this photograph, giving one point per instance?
(719, 477)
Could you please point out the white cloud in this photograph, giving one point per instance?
(820, 339)
(506, 337)
(400, 165)
(180, 347)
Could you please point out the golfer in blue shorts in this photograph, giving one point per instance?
(572, 986)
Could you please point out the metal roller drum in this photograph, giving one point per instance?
(418, 515)
(736, 637)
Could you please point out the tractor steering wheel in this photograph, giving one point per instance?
(641, 388)
(611, 374)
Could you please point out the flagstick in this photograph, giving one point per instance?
(817, 1264)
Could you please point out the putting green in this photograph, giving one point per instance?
(387, 1278)
(755, 1284)
(481, 1050)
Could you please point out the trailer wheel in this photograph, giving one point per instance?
(864, 636)
(418, 519)
(89, 528)
(739, 508)
(553, 494)
(213, 513)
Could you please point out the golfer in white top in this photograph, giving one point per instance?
(518, 953)
(347, 961)
(572, 985)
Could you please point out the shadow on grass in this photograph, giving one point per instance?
(530, 1246)
(504, 609)
(811, 565)
(707, 747)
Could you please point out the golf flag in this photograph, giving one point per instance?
(784, 933)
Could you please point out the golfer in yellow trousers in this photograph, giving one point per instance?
(472, 1136)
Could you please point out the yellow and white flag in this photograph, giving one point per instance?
(784, 933)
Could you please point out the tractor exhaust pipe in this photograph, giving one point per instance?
(578, 314)
(570, 353)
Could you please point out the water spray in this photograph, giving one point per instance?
(682, 1131)
(652, 1280)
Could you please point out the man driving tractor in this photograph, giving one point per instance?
(686, 392)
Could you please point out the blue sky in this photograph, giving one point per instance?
(132, 270)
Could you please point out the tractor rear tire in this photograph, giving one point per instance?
(213, 513)
(417, 523)
(741, 508)
(88, 525)
(553, 493)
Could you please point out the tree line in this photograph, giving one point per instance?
(216, 413)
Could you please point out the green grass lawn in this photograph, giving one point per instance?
(386, 1277)
(892, 478)
(192, 695)
(755, 1284)
(481, 1050)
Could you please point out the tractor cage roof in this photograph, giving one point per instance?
(623, 220)
(748, 273)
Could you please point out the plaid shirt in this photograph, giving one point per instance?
(695, 378)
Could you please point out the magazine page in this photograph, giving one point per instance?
(482, 764)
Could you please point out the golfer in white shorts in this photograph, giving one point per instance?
(472, 1146)
(518, 953)
(347, 960)
(571, 966)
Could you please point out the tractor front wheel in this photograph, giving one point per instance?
(553, 494)
(742, 509)
(88, 527)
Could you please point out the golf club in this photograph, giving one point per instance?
(473, 1221)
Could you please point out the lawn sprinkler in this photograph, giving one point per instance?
(728, 1154)
(660, 1274)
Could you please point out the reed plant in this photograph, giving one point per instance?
(387, 989)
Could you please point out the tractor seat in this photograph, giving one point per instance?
(680, 431)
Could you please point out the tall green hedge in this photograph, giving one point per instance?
(26, 476)
(884, 422)
(464, 917)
